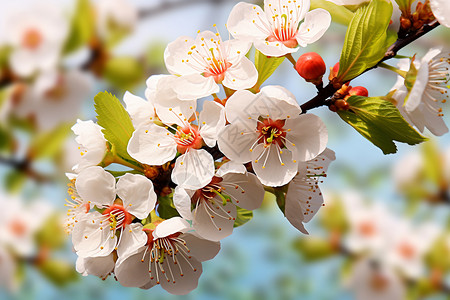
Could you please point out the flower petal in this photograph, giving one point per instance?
(137, 194)
(132, 271)
(211, 120)
(236, 140)
(238, 106)
(441, 10)
(184, 281)
(195, 86)
(231, 167)
(275, 49)
(214, 221)
(100, 266)
(267, 164)
(182, 202)
(171, 226)
(141, 111)
(176, 56)
(200, 248)
(96, 185)
(242, 75)
(316, 23)
(240, 22)
(152, 144)
(308, 135)
(194, 169)
(132, 239)
(245, 190)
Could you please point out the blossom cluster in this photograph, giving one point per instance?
(209, 165)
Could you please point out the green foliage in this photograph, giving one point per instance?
(59, 272)
(4, 55)
(313, 248)
(339, 13)
(266, 65)
(380, 122)
(366, 39)
(333, 217)
(116, 123)
(6, 139)
(49, 144)
(14, 181)
(404, 4)
(51, 234)
(82, 26)
(438, 257)
(243, 216)
(166, 208)
(123, 72)
(433, 168)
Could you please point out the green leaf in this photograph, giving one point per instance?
(82, 26)
(339, 13)
(6, 139)
(243, 216)
(4, 56)
(49, 144)
(366, 39)
(116, 123)
(265, 65)
(313, 248)
(59, 272)
(433, 168)
(123, 72)
(14, 181)
(380, 122)
(404, 4)
(166, 208)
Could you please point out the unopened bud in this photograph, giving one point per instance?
(341, 104)
(334, 71)
(359, 91)
(405, 23)
(311, 67)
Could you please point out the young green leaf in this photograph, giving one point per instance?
(116, 123)
(339, 14)
(380, 122)
(243, 216)
(48, 144)
(265, 65)
(123, 72)
(366, 39)
(82, 26)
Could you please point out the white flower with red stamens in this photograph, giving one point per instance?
(92, 144)
(36, 35)
(304, 198)
(214, 205)
(208, 61)
(407, 246)
(20, 222)
(268, 130)
(369, 225)
(100, 266)
(441, 10)
(140, 110)
(77, 207)
(155, 145)
(95, 234)
(420, 105)
(172, 257)
(275, 31)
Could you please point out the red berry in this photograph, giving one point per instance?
(359, 91)
(311, 67)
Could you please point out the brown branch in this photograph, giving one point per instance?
(328, 91)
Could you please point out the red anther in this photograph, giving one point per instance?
(311, 67)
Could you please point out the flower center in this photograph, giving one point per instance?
(285, 36)
(32, 38)
(118, 216)
(406, 250)
(18, 228)
(188, 137)
(209, 191)
(367, 229)
(271, 131)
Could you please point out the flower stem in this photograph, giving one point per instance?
(393, 69)
(291, 59)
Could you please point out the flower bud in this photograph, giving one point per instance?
(311, 67)
(341, 104)
(358, 91)
(334, 71)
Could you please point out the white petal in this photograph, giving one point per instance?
(132, 239)
(300, 7)
(96, 185)
(268, 166)
(308, 134)
(240, 22)
(415, 96)
(242, 75)
(239, 105)
(200, 248)
(100, 266)
(275, 49)
(277, 102)
(137, 194)
(194, 169)
(182, 202)
(152, 84)
(316, 23)
(23, 62)
(91, 241)
(231, 167)
(171, 226)
(441, 10)
(176, 55)
(90, 136)
(235, 49)
(236, 140)
(152, 144)
(214, 221)
(141, 111)
(245, 190)
(195, 86)
(181, 285)
(133, 272)
(212, 121)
